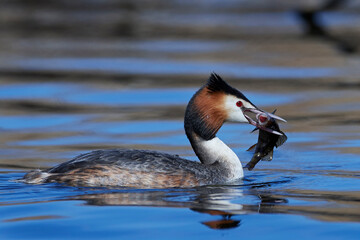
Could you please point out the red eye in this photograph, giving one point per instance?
(263, 118)
(239, 103)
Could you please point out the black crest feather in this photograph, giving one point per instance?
(217, 84)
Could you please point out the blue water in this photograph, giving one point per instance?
(310, 188)
(88, 75)
(80, 94)
(154, 66)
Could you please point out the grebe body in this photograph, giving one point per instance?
(212, 105)
(131, 168)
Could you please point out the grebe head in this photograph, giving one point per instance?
(215, 103)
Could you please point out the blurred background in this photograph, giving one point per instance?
(88, 74)
(278, 40)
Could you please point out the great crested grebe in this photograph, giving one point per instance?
(212, 105)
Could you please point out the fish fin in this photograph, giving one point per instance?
(282, 139)
(255, 129)
(252, 148)
(268, 157)
(254, 160)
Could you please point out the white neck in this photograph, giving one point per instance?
(215, 150)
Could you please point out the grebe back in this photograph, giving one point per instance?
(212, 105)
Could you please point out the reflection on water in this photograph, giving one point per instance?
(82, 75)
(226, 204)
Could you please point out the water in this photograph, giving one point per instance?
(66, 89)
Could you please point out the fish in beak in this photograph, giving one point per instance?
(270, 136)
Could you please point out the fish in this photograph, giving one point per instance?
(270, 136)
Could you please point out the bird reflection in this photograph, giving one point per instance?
(215, 201)
(223, 223)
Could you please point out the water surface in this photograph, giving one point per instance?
(66, 89)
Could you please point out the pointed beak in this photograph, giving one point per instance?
(262, 118)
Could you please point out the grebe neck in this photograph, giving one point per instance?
(215, 151)
(201, 128)
(205, 113)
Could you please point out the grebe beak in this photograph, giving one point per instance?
(262, 118)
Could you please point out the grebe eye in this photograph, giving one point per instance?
(263, 118)
(239, 103)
